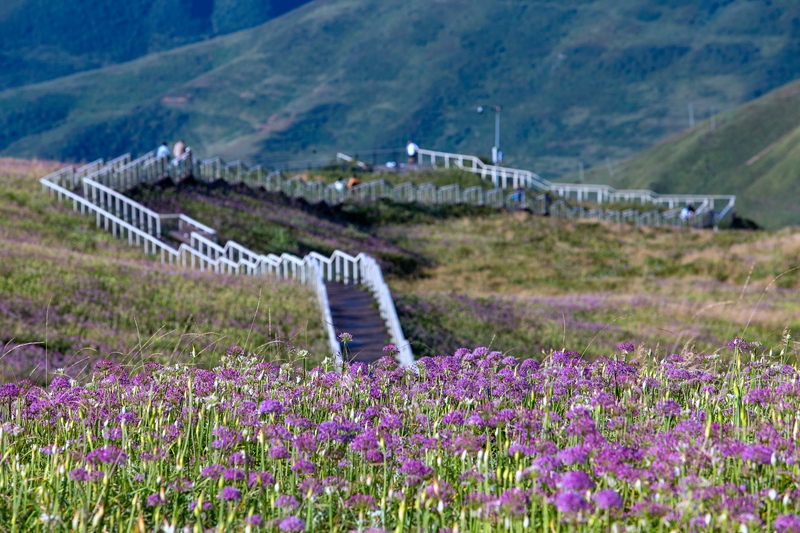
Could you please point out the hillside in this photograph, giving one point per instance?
(578, 80)
(71, 294)
(464, 278)
(752, 151)
(45, 39)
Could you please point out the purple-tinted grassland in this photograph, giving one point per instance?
(71, 294)
(474, 441)
(527, 283)
(272, 223)
(530, 326)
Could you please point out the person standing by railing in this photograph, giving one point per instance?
(163, 150)
(179, 149)
(412, 150)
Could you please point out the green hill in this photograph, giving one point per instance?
(578, 80)
(465, 277)
(46, 39)
(753, 151)
(71, 294)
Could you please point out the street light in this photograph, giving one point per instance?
(497, 155)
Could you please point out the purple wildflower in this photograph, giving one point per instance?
(107, 454)
(758, 453)
(270, 407)
(255, 520)
(304, 466)
(205, 506)
(576, 480)
(416, 468)
(359, 502)
(391, 349)
(279, 452)
(78, 474)
(229, 494)
(787, 523)
(741, 344)
(213, 472)
(287, 501)
(514, 502)
(60, 383)
(233, 474)
(570, 502)
(626, 347)
(292, 524)
(606, 499)
(156, 500)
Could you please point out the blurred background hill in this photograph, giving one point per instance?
(46, 39)
(753, 150)
(580, 81)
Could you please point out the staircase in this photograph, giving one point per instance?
(369, 315)
(353, 311)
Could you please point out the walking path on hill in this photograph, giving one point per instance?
(353, 311)
(98, 189)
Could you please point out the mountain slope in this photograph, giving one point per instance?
(579, 79)
(753, 151)
(46, 39)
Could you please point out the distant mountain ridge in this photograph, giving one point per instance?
(46, 39)
(578, 80)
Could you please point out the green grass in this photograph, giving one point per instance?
(578, 80)
(80, 295)
(581, 283)
(437, 177)
(754, 152)
(525, 283)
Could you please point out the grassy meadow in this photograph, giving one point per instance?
(465, 277)
(586, 377)
(71, 294)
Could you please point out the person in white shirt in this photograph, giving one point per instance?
(412, 150)
(163, 150)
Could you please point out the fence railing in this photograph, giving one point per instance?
(148, 169)
(124, 218)
(507, 177)
(502, 177)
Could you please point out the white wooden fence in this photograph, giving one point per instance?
(126, 219)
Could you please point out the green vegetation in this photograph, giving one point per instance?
(577, 80)
(45, 39)
(752, 151)
(525, 283)
(79, 295)
(438, 177)
(529, 282)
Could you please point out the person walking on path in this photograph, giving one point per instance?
(353, 182)
(412, 150)
(163, 150)
(179, 149)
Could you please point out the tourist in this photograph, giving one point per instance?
(412, 150)
(339, 185)
(179, 149)
(353, 182)
(163, 150)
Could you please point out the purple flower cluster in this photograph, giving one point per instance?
(477, 436)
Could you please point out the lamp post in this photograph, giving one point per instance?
(497, 155)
